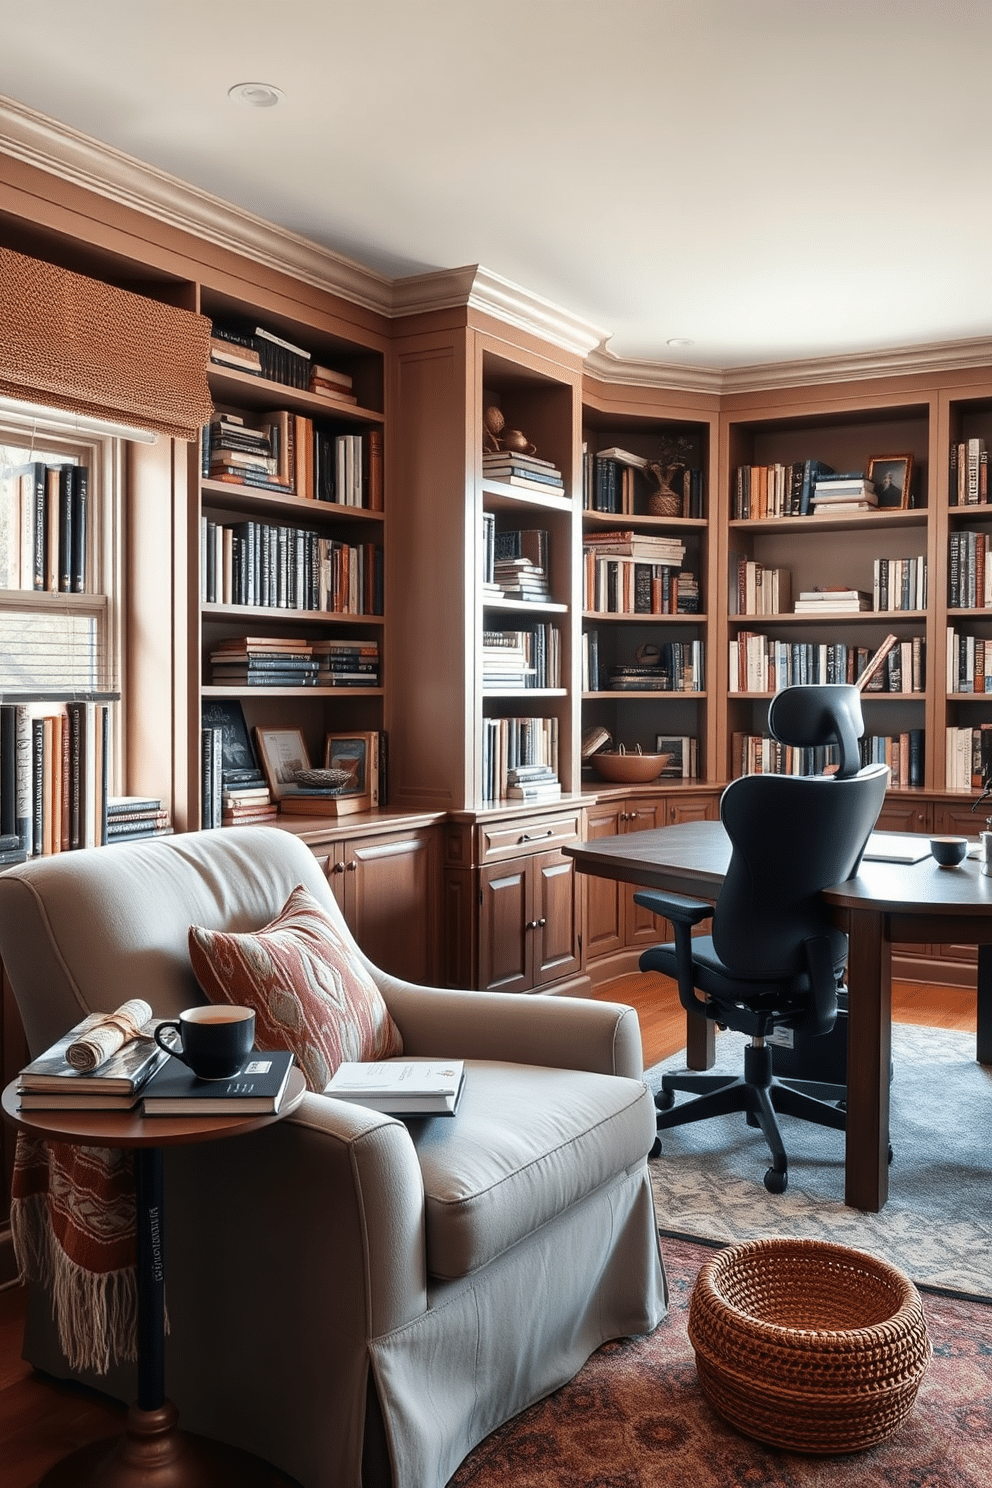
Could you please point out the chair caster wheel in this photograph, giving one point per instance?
(655, 1148)
(776, 1182)
(664, 1100)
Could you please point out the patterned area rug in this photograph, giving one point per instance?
(634, 1417)
(937, 1224)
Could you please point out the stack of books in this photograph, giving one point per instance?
(332, 384)
(533, 783)
(129, 817)
(241, 455)
(504, 661)
(258, 1089)
(850, 491)
(524, 471)
(347, 663)
(264, 661)
(832, 600)
(51, 1083)
(233, 350)
(246, 803)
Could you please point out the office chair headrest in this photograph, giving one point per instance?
(829, 713)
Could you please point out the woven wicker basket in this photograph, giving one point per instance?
(808, 1346)
(663, 504)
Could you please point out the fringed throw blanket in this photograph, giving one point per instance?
(72, 1217)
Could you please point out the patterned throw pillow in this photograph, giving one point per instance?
(309, 993)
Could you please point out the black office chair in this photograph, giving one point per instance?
(774, 959)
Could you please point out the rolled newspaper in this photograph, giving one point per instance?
(102, 1034)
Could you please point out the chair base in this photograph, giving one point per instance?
(761, 1096)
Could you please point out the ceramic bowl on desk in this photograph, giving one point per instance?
(621, 768)
(949, 851)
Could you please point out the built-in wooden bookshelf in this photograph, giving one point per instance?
(647, 657)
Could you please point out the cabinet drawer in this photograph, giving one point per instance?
(503, 840)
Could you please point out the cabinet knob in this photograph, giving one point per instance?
(338, 868)
(535, 924)
(633, 815)
(352, 865)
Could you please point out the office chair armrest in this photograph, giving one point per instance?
(674, 907)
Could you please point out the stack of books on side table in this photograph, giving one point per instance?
(51, 1083)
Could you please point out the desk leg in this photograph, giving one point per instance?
(983, 1050)
(869, 1055)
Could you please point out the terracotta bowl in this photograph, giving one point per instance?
(629, 769)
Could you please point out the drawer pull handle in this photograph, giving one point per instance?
(536, 836)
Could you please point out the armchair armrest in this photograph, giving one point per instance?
(559, 1032)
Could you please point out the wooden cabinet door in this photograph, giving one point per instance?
(504, 939)
(553, 927)
(390, 901)
(604, 897)
(640, 926)
(691, 808)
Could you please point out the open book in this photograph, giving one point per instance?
(401, 1087)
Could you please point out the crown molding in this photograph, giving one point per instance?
(82, 161)
(938, 356)
(491, 294)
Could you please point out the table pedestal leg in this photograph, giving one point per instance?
(983, 1050)
(153, 1452)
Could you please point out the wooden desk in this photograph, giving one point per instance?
(153, 1452)
(918, 902)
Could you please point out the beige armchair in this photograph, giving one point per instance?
(358, 1300)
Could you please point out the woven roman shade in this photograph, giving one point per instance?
(86, 347)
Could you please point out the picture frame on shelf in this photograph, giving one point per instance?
(891, 476)
(282, 753)
(358, 753)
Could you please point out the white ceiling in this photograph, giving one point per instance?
(771, 179)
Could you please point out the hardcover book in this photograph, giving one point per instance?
(401, 1087)
(122, 1074)
(256, 1090)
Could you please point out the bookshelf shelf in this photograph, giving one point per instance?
(261, 393)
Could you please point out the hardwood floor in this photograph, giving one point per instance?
(42, 1420)
(663, 1021)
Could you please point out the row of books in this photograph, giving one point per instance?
(289, 454)
(515, 659)
(283, 567)
(969, 570)
(260, 352)
(43, 527)
(899, 584)
(968, 756)
(230, 797)
(619, 586)
(760, 663)
(969, 472)
(756, 754)
(508, 744)
(674, 666)
(53, 783)
(757, 589)
(969, 662)
(776, 490)
(281, 661)
(613, 480)
(834, 494)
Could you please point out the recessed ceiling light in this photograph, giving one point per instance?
(256, 95)
(680, 341)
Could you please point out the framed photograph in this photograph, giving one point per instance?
(891, 475)
(359, 755)
(282, 752)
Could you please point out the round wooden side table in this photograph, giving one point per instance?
(152, 1452)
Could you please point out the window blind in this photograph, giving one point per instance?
(80, 345)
